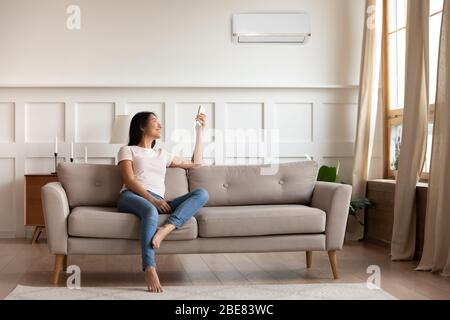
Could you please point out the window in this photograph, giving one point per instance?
(394, 54)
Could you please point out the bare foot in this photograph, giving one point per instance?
(151, 277)
(161, 234)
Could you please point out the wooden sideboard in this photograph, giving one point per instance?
(379, 220)
(32, 201)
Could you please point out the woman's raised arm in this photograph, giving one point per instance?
(197, 156)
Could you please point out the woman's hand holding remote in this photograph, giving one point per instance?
(201, 119)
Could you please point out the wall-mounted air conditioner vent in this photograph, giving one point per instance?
(271, 27)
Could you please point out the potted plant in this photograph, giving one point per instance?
(331, 174)
(394, 163)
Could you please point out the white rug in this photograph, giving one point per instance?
(338, 291)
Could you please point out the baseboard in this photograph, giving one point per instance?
(29, 233)
(11, 234)
(7, 234)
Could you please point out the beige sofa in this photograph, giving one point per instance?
(247, 211)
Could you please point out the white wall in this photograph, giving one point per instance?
(174, 42)
(169, 56)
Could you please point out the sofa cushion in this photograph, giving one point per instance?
(88, 184)
(288, 183)
(107, 222)
(256, 220)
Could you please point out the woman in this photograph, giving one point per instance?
(143, 171)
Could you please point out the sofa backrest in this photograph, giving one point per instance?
(246, 185)
(89, 184)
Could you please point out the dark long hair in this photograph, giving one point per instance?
(137, 125)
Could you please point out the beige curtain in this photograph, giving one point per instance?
(367, 107)
(414, 132)
(436, 252)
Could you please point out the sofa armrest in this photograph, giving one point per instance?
(56, 210)
(334, 199)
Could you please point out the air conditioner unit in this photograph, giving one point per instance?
(292, 27)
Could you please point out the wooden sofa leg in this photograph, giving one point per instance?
(64, 267)
(308, 259)
(59, 261)
(333, 262)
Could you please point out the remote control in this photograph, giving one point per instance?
(201, 109)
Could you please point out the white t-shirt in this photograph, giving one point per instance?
(149, 166)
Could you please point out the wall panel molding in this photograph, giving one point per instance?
(7, 115)
(85, 116)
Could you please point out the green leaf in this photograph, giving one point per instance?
(359, 204)
(327, 174)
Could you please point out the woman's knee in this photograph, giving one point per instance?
(202, 193)
(149, 211)
(123, 205)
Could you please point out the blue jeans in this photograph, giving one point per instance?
(183, 208)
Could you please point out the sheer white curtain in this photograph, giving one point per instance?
(414, 132)
(367, 106)
(436, 251)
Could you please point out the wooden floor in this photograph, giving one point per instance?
(26, 264)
